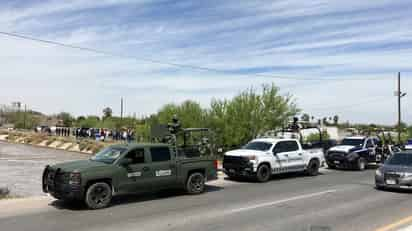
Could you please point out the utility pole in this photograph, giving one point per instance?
(121, 108)
(399, 94)
(24, 116)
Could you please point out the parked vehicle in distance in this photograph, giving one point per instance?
(354, 152)
(408, 145)
(261, 158)
(396, 172)
(131, 168)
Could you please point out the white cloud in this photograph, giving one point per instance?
(310, 39)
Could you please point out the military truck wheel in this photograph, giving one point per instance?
(263, 173)
(98, 195)
(195, 183)
(313, 168)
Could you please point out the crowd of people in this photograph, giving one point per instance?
(100, 134)
(104, 134)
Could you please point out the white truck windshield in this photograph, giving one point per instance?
(258, 145)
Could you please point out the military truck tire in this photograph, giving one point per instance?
(313, 168)
(195, 183)
(361, 164)
(263, 173)
(98, 195)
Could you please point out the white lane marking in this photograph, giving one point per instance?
(300, 197)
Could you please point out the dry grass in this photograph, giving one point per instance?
(35, 138)
(9, 197)
(85, 145)
(91, 146)
(50, 140)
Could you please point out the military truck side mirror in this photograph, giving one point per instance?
(125, 161)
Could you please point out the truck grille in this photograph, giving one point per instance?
(235, 160)
(55, 178)
(336, 155)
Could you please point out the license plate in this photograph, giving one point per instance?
(390, 181)
(231, 170)
(336, 162)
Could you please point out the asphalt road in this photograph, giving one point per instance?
(21, 166)
(338, 200)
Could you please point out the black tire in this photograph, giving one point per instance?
(195, 183)
(263, 173)
(98, 195)
(233, 176)
(331, 166)
(378, 187)
(313, 168)
(361, 164)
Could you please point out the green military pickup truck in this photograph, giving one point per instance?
(128, 168)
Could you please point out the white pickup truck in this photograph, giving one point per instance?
(261, 158)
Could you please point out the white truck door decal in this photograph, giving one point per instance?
(167, 172)
(134, 174)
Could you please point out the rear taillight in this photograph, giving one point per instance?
(216, 164)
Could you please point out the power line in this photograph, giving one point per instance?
(179, 65)
(370, 100)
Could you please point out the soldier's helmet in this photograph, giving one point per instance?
(175, 118)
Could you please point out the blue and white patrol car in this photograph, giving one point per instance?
(408, 145)
(354, 152)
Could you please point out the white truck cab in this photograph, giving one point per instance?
(262, 157)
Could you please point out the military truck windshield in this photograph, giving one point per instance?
(353, 142)
(400, 159)
(108, 155)
(260, 146)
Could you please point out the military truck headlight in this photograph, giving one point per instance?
(75, 178)
(378, 172)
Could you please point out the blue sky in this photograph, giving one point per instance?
(357, 47)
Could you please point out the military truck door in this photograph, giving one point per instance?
(163, 167)
(137, 175)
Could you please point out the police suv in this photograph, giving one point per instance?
(261, 158)
(354, 152)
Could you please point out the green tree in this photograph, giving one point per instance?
(89, 122)
(190, 114)
(314, 137)
(250, 113)
(66, 118)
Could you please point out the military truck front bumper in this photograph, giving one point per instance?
(55, 182)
